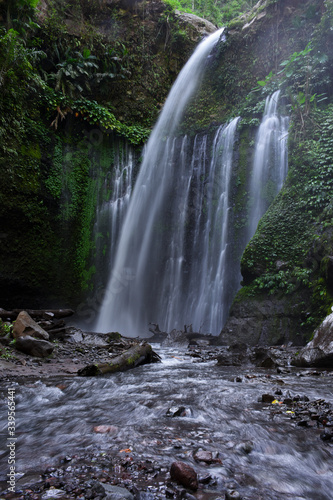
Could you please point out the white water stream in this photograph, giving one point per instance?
(270, 162)
(56, 418)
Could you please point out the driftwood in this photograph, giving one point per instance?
(37, 313)
(138, 354)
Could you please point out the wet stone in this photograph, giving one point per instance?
(205, 479)
(203, 456)
(303, 423)
(184, 474)
(326, 436)
(53, 493)
(176, 411)
(232, 495)
(267, 398)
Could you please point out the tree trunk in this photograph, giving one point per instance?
(138, 354)
(43, 313)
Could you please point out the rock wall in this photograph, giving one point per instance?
(286, 289)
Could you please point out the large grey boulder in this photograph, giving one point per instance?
(319, 351)
(199, 24)
(269, 321)
(25, 325)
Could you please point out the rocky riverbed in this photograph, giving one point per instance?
(169, 427)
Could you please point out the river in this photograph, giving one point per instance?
(260, 452)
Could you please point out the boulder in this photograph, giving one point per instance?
(34, 347)
(235, 355)
(200, 25)
(184, 474)
(319, 351)
(269, 321)
(262, 357)
(25, 325)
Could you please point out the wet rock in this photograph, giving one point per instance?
(96, 489)
(116, 493)
(200, 25)
(188, 496)
(205, 479)
(235, 355)
(303, 423)
(176, 338)
(207, 457)
(267, 398)
(176, 411)
(319, 351)
(232, 495)
(263, 357)
(34, 347)
(104, 429)
(184, 474)
(53, 493)
(25, 325)
(326, 436)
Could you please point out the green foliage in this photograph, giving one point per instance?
(6, 354)
(5, 328)
(285, 254)
(216, 11)
(96, 114)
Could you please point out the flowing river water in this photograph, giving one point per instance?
(262, 453)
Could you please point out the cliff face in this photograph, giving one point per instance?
(95, 77)
(286, 288)
(148, 40)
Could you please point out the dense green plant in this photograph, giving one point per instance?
(5, 328)
(217, 11)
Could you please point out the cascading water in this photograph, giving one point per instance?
(174, 263)
(195, 278)
(270, 162)
(147, 248)
(114, 198)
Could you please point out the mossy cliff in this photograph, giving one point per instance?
(79, 80)
(287, 287)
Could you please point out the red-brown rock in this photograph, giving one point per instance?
(184, 474)
(25, 325)
(104, 429)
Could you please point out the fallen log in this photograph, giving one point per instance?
(37, 313)
(138, 354)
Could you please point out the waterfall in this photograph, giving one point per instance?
(196, 280)
(149, 263)
(172, 262)
(270, 162)
(114, 198)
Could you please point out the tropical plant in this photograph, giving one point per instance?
(74, 73)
